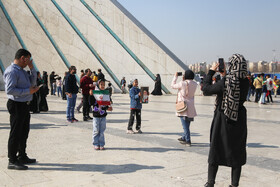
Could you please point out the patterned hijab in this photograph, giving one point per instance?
(237, 69)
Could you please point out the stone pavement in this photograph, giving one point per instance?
(155, 158)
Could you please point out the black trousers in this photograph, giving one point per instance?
(269, 95)
(86, 105)
(258, 94)
(235, 174)
(133, 113)
(20, 125)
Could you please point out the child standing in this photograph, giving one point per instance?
(58, 86)
(135, 108)
(99, 119)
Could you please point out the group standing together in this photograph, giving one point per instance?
(228, 132)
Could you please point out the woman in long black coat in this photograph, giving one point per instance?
(157, 89)
(229, 126)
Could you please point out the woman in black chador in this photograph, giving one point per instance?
(157, 90)
(229, 126)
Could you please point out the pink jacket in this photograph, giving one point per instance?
(186, 93)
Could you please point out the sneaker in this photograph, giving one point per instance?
(70, 120)
(102, 148)
(75, 120)
(96, 147)
(130, 132)
(85, 119)
(139, 131)
(17, 166)
(208, 184)
(26, 160)
(181, 139)
(188, 144)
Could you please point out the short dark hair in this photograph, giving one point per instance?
(71, 68)
(99, 70)
(87, 70)
(268, 76)
(82, 71)
(22, 52)
(109, 84)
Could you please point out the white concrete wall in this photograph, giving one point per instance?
(43, 53)
(141, 44)
(8, 45)
(77, 53)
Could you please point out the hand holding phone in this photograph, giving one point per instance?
(221, 65)
(179, 73)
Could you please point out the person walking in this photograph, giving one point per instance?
(157, 89)
(71, 90)
(53, 83)
(228, 134)
(186, 90)
(58, 86)
(123, 83)
(86, 84)
(258, 86)
(19, 86)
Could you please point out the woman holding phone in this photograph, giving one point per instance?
(186, 90)
(229, 126)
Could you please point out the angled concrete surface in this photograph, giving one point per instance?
(66, 156)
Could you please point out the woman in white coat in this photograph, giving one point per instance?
(186, 90)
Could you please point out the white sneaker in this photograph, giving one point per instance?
(130, 132)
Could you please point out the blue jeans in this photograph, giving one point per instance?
(249, 93)
(186, 126)
(99, 126)
(59, 91)
(71, 102)
(263, 98)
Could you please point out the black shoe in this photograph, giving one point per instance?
(85, 119)
(181, 139)
(17, 166)
(208, 184)
(88, 117)
(26, 160)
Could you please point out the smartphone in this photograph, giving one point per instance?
(221, 65)
(179, 73)
(40, 85)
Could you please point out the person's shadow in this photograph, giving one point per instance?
(104, 168)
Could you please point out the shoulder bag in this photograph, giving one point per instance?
(182, 105)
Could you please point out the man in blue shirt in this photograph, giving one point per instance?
(19, 86)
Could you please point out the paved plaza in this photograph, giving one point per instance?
(66, 156)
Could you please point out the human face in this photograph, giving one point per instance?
(135, 83)
(101, 85)
(74, 71)
(25, 60)
(89, 73)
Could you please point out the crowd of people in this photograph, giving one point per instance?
(27, 91)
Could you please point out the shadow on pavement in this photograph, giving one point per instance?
(259, 145)
(149, 149)
(171, 133)
(106, 169)
(44, 126)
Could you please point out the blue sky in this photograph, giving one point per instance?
(203, 30)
